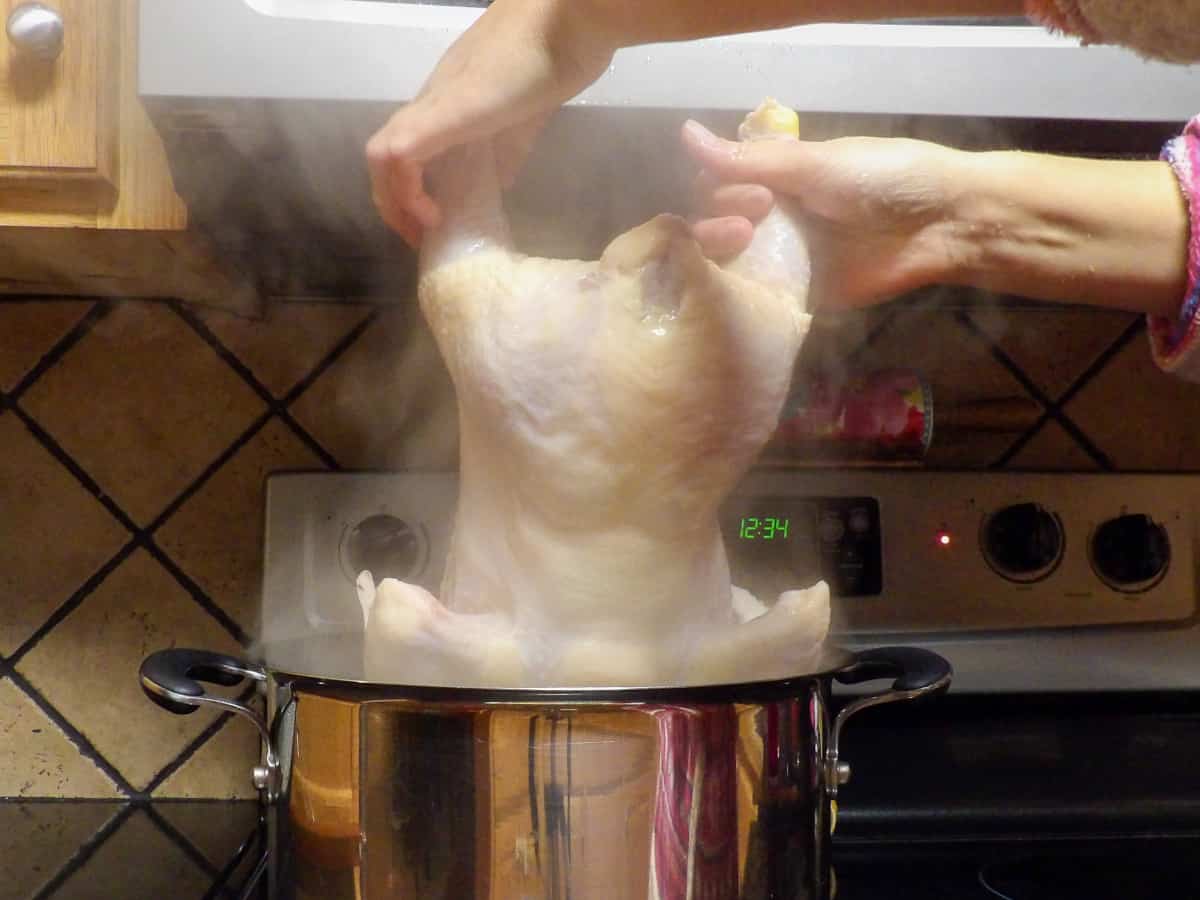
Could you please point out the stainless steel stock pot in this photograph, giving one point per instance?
(723, 792)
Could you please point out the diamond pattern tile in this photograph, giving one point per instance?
(143, 404)
(835, 341)
(220, 769)
(196, 821)
(38, 760)
(284, 346)
(216, 536)
(137, 863)
(29, 330)
(42, 506)
(87, 667)
(1141, 417)
(1052, 345)
(1052, 449)
(387, 403)
(966, 382)
(37, 839)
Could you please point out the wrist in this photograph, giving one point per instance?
(1099, 232)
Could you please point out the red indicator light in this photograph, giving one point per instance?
(943, 538)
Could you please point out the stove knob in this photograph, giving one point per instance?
(385, 546)
(1023, 543)
(1131, 553)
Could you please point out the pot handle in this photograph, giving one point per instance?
(172, 679)
(913, 669)
(915, 673)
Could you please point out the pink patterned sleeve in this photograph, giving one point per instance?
(1174, 341)
(1165, 30)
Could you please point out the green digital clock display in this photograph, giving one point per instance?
(766, 528)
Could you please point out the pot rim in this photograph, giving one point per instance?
(830, 660)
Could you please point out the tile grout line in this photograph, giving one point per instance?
(143, 536)
(208, 472)
(196, 324)
(1136, 327)
(185, 755)
(964, 319)
(180, 840)
(888, 317)
(318, 449)
(140, 537)
(1095, 368)
(222, 887)
(1022, 441)
(85, 747)
(54, 355)
(1052, 410)
(85, 853)
(75, 600)
(56, 450)
(323, 364)
(198, 594)
(280, 405)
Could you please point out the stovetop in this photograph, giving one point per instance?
(214, 856)
(1119, 868)
(1034, 797)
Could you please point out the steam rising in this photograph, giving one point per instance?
(296, 171)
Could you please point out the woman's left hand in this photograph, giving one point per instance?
(877, 212)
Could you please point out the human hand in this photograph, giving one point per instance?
(877, 212)
(500, 81)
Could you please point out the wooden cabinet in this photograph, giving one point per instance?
(59, 117)
(87, 203)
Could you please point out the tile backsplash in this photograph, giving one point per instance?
(136, 437)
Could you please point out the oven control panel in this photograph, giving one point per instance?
(904, 552)
(778, 542)
(989, 551)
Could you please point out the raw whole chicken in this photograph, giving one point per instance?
(606, 410)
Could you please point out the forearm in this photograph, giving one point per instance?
(630, 22)
(1101, 232)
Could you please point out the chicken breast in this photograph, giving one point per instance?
(606, 410)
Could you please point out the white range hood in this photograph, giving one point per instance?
(372, 50)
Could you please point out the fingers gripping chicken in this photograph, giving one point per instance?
(606, 410)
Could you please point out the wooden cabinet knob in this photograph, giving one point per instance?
(37, 30)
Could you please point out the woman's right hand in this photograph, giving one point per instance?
(878, 212)
(501, 80)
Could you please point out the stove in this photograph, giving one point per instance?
(1047, 797)
(1026, 582)
(1062, 763)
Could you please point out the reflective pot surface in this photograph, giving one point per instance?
(723, 793)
